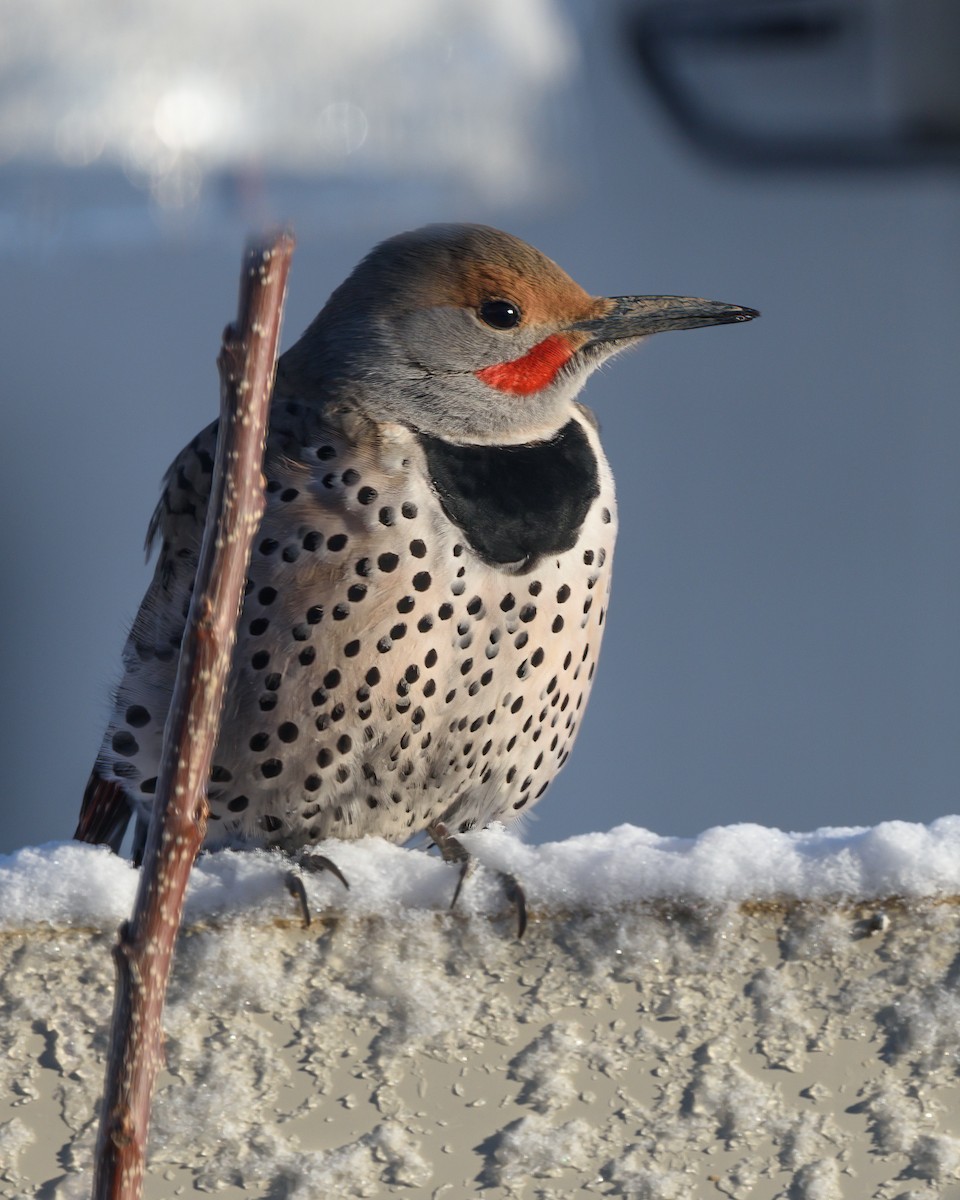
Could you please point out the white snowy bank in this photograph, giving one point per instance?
(66, 884)
(727, 1015)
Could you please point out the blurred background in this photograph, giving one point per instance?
(783, 642)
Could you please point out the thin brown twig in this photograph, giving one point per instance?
(145, 945)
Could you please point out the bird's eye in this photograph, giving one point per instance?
(500, 314)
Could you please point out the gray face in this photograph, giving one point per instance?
(433, 385)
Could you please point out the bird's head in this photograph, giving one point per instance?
(471, 335)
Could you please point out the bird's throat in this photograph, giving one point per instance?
(533, 371)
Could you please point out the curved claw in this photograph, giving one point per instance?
(466, 866)
(314, 863)
(516, 896)
(299, 893)
(452, 850)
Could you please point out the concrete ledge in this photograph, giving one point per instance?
(805, 1050)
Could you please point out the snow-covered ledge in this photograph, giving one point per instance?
(744, 1014)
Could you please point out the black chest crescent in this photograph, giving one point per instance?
(516, 504)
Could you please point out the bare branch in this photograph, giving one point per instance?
(145, 947)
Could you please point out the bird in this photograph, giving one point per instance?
(426, 594)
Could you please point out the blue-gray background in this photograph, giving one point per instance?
(783, 642)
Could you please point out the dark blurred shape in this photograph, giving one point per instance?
(807, 83)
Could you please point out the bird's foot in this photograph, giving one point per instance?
(452, 850)
(314, 863)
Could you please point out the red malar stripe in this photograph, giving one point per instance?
(533, 371)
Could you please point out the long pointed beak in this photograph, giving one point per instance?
(638, 316)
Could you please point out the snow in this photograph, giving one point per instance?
(784, 1049)
(69, 884)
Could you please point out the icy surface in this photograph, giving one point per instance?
(649, 1038)
(67, 884)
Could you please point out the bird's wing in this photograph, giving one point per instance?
(181, 509)
(177, 526)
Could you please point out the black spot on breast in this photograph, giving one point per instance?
(516, 504)
(125, 743)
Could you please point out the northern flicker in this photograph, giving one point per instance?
(427, 590)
